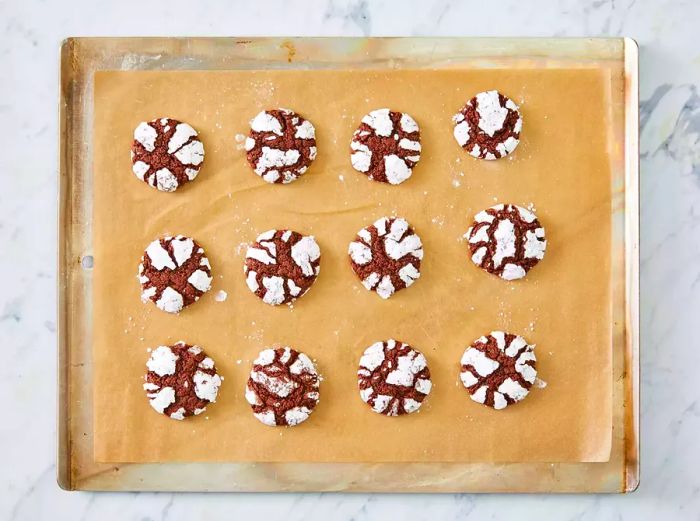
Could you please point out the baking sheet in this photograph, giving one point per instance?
(562, 167)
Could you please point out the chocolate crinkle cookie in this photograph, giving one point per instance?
(283, 388)
(174, 273)
(506, 240)
(181, 380)
(386, 256)
(166, 153)
(499, 369)
(386, 146)
(281, 145)
(393, 378)
(488, 126)
(282, 265)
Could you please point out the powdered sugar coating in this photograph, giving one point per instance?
(281, 145)
(498, 369)
(282, 265)
(506, 240)
(488, 126)
(174, 273)
(386, 146)
(166, 153)
(386, 256)
(162, 361)
(181, 380)
(283, 388)
(393, 378)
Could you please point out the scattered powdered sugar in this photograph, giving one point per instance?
(438, 220)
(220, 296)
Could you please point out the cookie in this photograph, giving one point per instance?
(386, 146)
(488, 126)
(166, 153)
(281, 266)
(506, 240)
(174, 273)
(181, 380)
(498, 369)
(281, 145)
(283, 387)
(386, 256)
(393, 378)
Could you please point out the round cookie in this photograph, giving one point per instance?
(281, 145)
(386, 256)
(181, 380)
(174, 273)
(281, 265)
(506, 240)
(386, 146)
(166, 153)
(488, 126)
(283, 387)
(393, 378)
(499, 369)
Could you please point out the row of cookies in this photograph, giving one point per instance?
(281, 265)
(393, 378)
(281, 145)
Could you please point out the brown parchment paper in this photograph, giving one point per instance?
(561, 167)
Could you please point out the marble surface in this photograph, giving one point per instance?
(670, 186)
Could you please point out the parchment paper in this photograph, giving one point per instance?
(563, 305)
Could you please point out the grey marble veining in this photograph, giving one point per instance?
(670, 193)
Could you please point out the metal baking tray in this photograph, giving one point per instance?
(81, 57)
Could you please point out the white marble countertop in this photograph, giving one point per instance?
(670, 116)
